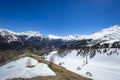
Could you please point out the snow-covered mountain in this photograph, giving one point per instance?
(50, 36)
(30, 34)
(74, 37)
(14, 36)
(112, 32)
(68, 37)
(109, 36)
(9, 35)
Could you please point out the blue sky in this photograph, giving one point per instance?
(59, 17)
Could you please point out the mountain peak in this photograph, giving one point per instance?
(30, 33)
(112, 28)
(50, 36)
(8, 34)
(112, 32)
(13, 36)
(115, 26)
(2, 30)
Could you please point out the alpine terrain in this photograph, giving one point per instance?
(33, 56)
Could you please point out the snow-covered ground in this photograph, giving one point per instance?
(19, 69)
(101, 67)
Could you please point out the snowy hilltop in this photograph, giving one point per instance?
(21, 68)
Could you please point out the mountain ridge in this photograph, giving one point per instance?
(35, 40)
(112, 32)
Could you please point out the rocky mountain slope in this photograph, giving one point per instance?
(39, 44)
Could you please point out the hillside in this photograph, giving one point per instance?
(39, 71)
(103, 66)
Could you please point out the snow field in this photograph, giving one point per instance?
(19, 69)
(101, 67)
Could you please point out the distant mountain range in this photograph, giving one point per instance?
(9, 40)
